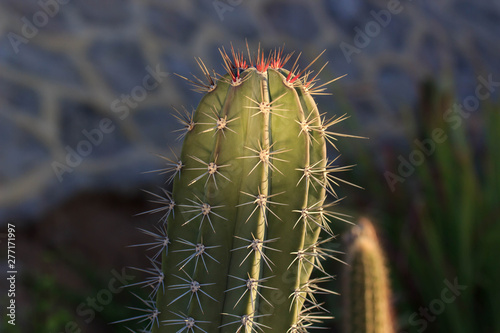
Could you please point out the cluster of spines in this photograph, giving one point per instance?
(314, 217)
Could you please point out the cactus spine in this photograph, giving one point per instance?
(366, 291)
(241, 226)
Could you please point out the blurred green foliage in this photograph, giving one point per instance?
(53, 302)
(440, 224)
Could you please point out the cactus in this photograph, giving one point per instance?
(366, 289)
(240, 231)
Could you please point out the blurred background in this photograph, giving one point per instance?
(86, 95)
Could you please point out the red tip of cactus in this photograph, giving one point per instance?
(262, 63)
(278, 60)
(236, 62)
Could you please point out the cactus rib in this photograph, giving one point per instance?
(241, 228)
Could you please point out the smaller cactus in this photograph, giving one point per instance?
(366, 288)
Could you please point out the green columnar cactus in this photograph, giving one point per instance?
(366, 293)
(241, 226)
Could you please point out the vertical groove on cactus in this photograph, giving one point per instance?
(240, 232)
(366, 284)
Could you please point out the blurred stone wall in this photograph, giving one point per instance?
(86, 86)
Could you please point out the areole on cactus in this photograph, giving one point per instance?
(240, 231)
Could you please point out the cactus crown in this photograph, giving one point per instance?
(240, 231)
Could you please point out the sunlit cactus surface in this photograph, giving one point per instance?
(240, 232)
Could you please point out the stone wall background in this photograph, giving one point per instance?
(66, 66)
